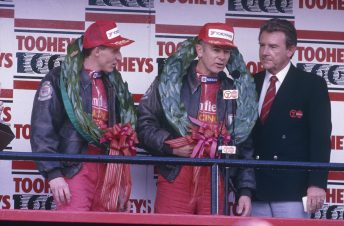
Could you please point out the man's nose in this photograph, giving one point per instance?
(118, 56)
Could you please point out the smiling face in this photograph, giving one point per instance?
(212, 58)
(273, 51)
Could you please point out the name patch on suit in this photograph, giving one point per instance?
(296, 113)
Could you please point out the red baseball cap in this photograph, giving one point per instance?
(104, 33)
(217, 34)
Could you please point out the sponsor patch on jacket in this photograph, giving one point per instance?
(46, 91)
(296, 113)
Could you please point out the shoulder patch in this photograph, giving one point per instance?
(46, 91)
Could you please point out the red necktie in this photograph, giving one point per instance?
(268, 100)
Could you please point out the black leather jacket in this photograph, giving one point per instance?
(51, 129)
(153, 128)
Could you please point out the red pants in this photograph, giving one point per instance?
(176, 197)
(85, 187)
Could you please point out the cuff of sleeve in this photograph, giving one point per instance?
(54, 174)
(167, 149)
(245, 192)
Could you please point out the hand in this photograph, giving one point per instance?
(60, 190)
(184, 151)
(244, 206)
(315, 198)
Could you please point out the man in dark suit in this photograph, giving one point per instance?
(294, 125)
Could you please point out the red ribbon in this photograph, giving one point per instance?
(116, 189)
(204, 135)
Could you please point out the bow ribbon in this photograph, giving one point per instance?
(206, 136)
(117, 180)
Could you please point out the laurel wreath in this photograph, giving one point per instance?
(70, 91)
(170, 84)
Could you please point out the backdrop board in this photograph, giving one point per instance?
(35, 34)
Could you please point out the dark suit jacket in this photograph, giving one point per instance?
(298, 128)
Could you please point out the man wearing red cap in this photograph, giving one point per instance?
(82, 92)
(163, 121)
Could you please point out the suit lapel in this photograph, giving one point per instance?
(259, 79)
(285, 91)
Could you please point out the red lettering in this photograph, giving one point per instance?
(51, 44)
(320, 54)
(131, 64)
(149, 64)
(254, 67)
(7, 114)
(167, 48)
(5, 199)
(20, 41)
(122, 65)
(322, 4)
(22, 130)
(340, 193)
(27, 185)
(334, 195)
(62, 43)
(140, 63)
(340, 55)
(339, 142)
(29, 43)
(41, 43)
(135, 64)
(202, 2)
(160, 47)
(17, 184)
(6, 60)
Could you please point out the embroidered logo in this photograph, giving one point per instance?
(296, 114)
(46, 91)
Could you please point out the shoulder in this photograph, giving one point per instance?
(259, 75)
(49, 83)
(53, 75)
(308, 77)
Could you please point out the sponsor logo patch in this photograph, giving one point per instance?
(46, 91)
(112, 33)
(217, 33)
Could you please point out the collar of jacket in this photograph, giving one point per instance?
(84, 79)
(194, 83)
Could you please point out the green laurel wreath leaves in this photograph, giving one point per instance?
(170, 85)
(70, 83)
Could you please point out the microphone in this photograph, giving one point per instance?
(228, 150)
(222, 76)
(232, 95)
(235, 74)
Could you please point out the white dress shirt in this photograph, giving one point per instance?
(280, 76)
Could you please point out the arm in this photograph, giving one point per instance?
(151, 129)
(244, 179)
(320, 147)
(45, 127)
(320, 126)
(47, 117)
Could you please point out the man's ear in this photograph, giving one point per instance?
(96, 51)
(291, 50)
(199, 50)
